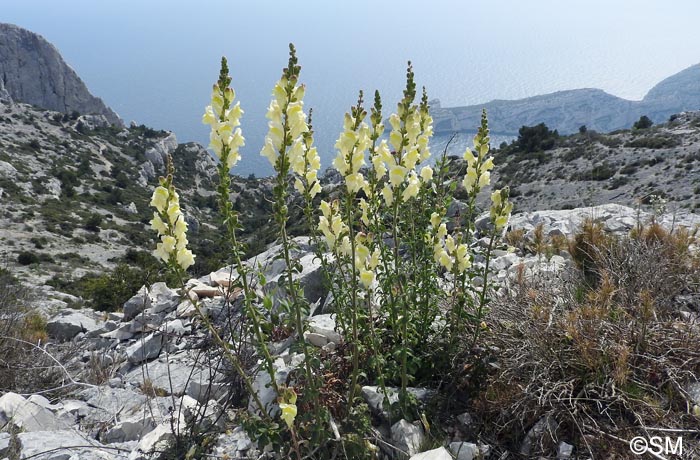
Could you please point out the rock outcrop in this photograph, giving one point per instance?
(33, 71)
(566, 111)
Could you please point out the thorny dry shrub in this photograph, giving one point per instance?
(600, 355)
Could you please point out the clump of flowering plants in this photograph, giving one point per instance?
(402, 285)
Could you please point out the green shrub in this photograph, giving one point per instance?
(644, 122)
(93, 222)
(536, 138)
(655, 142)
(27, 258)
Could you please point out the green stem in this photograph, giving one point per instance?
(482, 294)
(353, 319)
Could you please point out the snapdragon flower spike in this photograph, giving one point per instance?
(501, 208)
(452, 254)
(379, 153)
(331, 224)
(426, 124)
(366, 262)
(225, 138)
(352, 146)
(479, 167)
(169, 222)
(409, 137)
(448, 251)
(287, 121)
(306, 164)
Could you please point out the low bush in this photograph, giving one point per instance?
(596, 358)
(27, 258)
(654, 142)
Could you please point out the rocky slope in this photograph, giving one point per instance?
(627, 167)
(142, 380)
(74, 193)
(32, 71)
(566, 111)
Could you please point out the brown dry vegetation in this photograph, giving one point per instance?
(602, 354)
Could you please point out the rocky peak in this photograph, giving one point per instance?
(33, 71)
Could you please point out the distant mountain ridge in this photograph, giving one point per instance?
(566, 111)
(32, 71)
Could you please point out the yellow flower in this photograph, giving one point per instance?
(397, 174)
(426, 173)
(361, 255)
(366, 278)
(469, 156)
(173, 212)
(288, 413)
(296, 119)
(470, 179)
(411, 158)
(395, 122)
(160, 198)
(378, 165)
(279, 92)
(325, 229)
(180, 228)
(185, 258)
(161, 253)
(501, 221)
(315, 189)
(234, 115)
(462, 256)
(217, 102)
(340, 164)
(483, 148)
(158, 225)
(412, 188)
(396, 140)
(346, 142)
(181, 242)
(169, 243)
(484, 179)
(274, 113)
(269, 152)
(298, 93)
(209, 118)
(450, 243)
(385, 154)
(354, 182)
(446, 261)
(437, 251)
(325, 208)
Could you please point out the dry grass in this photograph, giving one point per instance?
(605, 352)
(26, 365)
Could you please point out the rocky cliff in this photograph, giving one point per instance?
(566, 111)
(33, 71)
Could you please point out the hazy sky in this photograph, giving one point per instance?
(154, 60)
